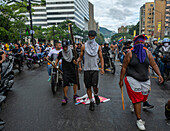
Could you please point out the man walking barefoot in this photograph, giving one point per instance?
(91, 50)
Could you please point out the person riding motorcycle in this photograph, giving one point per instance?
(105, 52)
(163, 54)
(154, 44)
(125, 49)
(53, 54)
(18, 52)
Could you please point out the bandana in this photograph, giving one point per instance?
(140, 52)
(68, 55)
(92, 47)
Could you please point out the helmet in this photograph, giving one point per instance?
(165, 40)
(65, 43)
(154, 39)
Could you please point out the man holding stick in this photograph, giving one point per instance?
(91, 50)
(135, 67)
(68, 68)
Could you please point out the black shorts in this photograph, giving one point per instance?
(69, 79)
(91, 78)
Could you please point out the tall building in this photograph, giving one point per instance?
(146, 25)
(159, 18)
(167, 18)
(56, 11)
(92, 22)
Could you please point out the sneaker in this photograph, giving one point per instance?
(132, 107)
(75, 97)
(64, 101)
(141, 125)
(146, 105)
(49, 79)
(91, 107)
(97, 99)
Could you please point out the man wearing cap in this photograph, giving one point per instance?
(91, 50)
(135, 69)
(68, 68)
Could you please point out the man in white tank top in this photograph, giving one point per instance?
(91, 50)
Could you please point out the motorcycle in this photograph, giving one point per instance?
(56, 79)
(109, 61)
(7, 75)
(17, 61)
(56, 75)
(33, 59)
(166, 61)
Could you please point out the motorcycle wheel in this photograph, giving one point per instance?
(29, 64)
(54, 84)
(113, 69)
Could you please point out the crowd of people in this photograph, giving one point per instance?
(135, 55)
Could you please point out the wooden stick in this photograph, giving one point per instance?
(53, 65)
(122, 98)
(75, 55)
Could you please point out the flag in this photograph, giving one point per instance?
(134, 33)
(159, 39)
(121, 39)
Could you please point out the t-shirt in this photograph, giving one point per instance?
(78, 51)
(15, 51)
(54, 54)
(6, 47)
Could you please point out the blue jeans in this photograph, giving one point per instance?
(121, 59)
(49, 69)
(40, 55)
(161, 67)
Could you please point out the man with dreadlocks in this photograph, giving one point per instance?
(68, 68)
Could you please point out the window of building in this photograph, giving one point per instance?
(151, 5)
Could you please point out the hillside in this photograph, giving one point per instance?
(107, 33)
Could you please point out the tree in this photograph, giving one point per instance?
(117, 36)
(134, 27)
(12, 22)
(100, 39)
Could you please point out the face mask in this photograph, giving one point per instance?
(166, 44)
(91, 41)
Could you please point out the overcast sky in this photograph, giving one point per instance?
(114, 13)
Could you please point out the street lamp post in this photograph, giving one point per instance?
(32, 33)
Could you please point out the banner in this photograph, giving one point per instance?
(159, 26)
(134, 33)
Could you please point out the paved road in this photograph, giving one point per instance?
(31, 106)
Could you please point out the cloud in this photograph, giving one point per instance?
(115, 13)
(119, 14)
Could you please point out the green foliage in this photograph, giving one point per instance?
(12, 21)
(100, 39)
(119, 35)
(134, 27)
